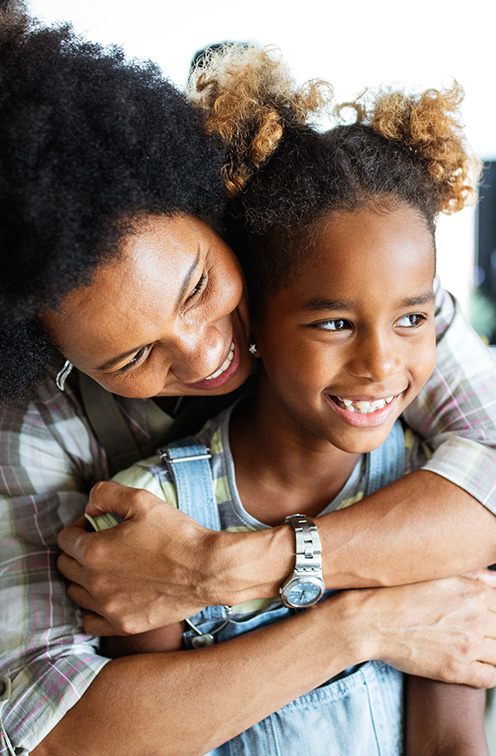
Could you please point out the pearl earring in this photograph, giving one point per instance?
(252, 348)
(63, 374)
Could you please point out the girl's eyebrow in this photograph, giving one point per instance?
(321, 303)
(426, 298)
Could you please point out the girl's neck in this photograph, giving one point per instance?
(280, 469)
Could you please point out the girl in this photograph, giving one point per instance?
(336, 232)
(108, 189)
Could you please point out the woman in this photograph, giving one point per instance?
(104, 167)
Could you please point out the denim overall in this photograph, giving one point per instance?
(357, 713)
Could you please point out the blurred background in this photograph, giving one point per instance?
(353, 45)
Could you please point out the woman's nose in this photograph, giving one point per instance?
(197, 353)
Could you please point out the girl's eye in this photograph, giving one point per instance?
(200, 285)
(136, 360)
(334, 325)
(410, 321)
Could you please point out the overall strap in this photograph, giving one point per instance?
(387, 462)
(189, 466)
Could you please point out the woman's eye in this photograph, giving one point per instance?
(198, 287)
(410, 321)
(137, 359)
(334, 325)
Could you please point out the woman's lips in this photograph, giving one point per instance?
(224, 372)
(224, 365)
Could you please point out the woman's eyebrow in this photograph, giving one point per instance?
(184, 288)
(187, 279)
(115, 360)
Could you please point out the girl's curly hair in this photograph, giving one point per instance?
(251, 98)
(89, 142)
(400, 148)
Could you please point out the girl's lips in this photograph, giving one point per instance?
(364, 420)
(219, 379)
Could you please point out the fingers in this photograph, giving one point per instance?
(69, 567)
(488, 577)
(72, 539)
(488, 651)
(481, 675)
(124, 501)
(94, 624)
(80, 596)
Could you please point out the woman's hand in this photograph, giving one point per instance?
(443, 629)
(160, 566)
(119, 573)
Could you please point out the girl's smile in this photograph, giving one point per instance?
(348, 343)
(167, 318)
(364, 413)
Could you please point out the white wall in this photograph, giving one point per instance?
(353, 45)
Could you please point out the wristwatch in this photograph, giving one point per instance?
(305, 585)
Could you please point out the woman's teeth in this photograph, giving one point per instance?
(224, 365)
(364, 408)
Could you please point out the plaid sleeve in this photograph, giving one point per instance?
(48, 460)
(456, 410)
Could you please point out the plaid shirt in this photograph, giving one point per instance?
(50, 458)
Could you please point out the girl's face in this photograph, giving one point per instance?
(350, 342)
(168, 318)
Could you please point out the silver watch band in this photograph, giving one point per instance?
(308, 546)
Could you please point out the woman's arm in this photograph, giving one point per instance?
(444, 720)
(417, 528)
(47, 660)
(429, 524)
(407, 626)
(60, 696)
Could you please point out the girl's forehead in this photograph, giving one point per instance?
(367, 254)
(371, 235)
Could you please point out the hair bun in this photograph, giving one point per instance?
(251, 98)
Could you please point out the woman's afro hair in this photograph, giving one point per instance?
(89, 142)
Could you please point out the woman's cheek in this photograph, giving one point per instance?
(133, 386)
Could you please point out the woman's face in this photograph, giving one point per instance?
(168, 318)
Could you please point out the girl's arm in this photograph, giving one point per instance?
(444, 720)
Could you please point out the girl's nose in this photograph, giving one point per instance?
(374, 358)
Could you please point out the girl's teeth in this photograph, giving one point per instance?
(224, 365)
(363, 407)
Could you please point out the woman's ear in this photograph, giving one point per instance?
(253, 349)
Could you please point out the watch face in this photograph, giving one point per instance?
(303, 593)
